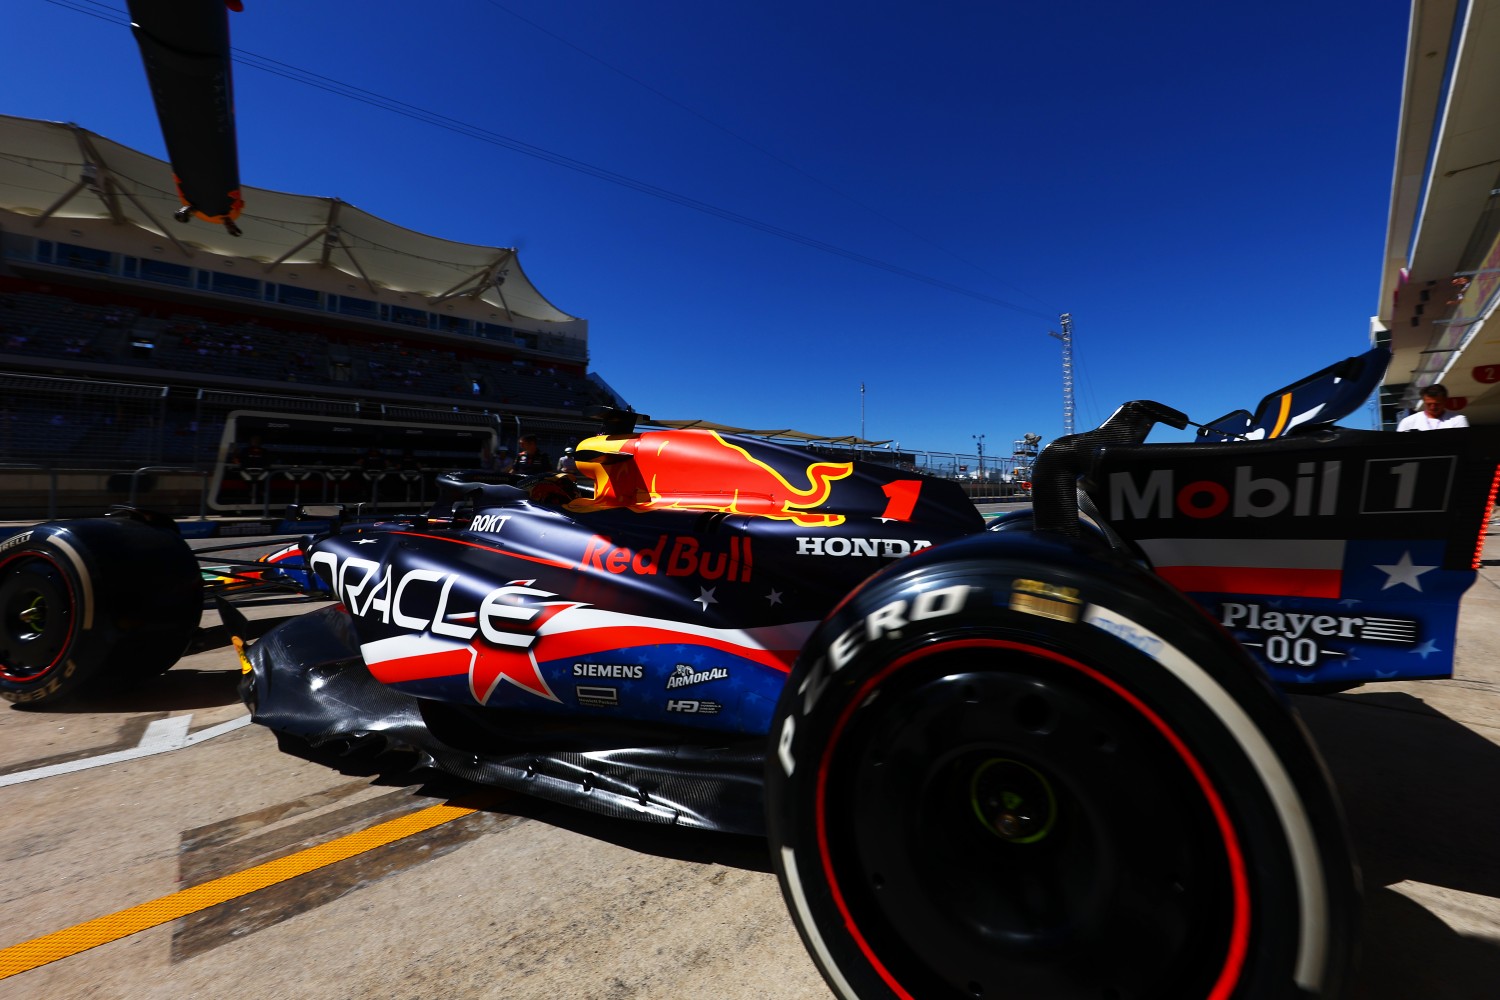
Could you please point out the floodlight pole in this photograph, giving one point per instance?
(862, 411)
(1067, 341)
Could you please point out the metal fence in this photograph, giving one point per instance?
(72, 422)
(72, 447)
(983, 477)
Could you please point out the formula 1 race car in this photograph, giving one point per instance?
(1045, 756)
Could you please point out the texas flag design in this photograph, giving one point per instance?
(1275, 566)
(1325, 610)
(1402, 570)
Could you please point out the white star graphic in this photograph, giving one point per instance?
(1426, 649)
(1405, 572)
(364, 541)
(706, 597)
(774, 597)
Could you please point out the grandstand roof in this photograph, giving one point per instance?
(59, 170)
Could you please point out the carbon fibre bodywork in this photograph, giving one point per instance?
(624, 648)
(625, 655)
(320, 692)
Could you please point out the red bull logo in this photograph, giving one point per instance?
(686, 556)
(699, 470)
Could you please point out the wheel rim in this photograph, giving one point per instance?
(1013, 800)
(36, 619)
(998, 820)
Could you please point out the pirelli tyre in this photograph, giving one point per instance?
(89, 604)
(1012, 767)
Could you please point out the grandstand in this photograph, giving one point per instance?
(138, 352)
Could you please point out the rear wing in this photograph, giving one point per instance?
(1335, 558)
(1321, 398)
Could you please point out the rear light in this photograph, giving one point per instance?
(1489, 512)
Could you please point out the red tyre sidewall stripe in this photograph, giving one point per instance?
(1234, 960)
(72, 619)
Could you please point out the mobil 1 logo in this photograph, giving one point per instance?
(1407, 485)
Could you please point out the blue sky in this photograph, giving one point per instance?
(1204, 187)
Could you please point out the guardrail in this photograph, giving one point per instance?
(52, 485)
(31, 491)
(202, 476)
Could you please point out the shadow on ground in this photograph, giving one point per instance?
(1420, 794)
(399, 768)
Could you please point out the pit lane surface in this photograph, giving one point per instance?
(124, 808)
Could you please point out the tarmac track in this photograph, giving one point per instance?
(154, 846)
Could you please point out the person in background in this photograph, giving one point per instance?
(373, 461)
(252, 457)
(1434, 414)
(530, 460)
(493, 458)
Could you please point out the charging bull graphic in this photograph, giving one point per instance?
(699, 470)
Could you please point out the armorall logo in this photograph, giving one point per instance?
(686, 676)
(1313, 492)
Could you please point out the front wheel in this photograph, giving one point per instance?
(92, 604)
(1010, 768)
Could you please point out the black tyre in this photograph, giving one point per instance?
(1009, 768)
(90, 604)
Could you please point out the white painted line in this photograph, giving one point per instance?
(1467, 913)
(166, 734)
(161, 736)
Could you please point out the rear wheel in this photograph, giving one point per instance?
(1033, 774)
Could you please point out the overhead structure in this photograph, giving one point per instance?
(55, 171)
(1440, 280)
(185, 49)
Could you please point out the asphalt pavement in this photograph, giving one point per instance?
(155, 846)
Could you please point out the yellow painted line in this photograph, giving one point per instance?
(37, 952)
